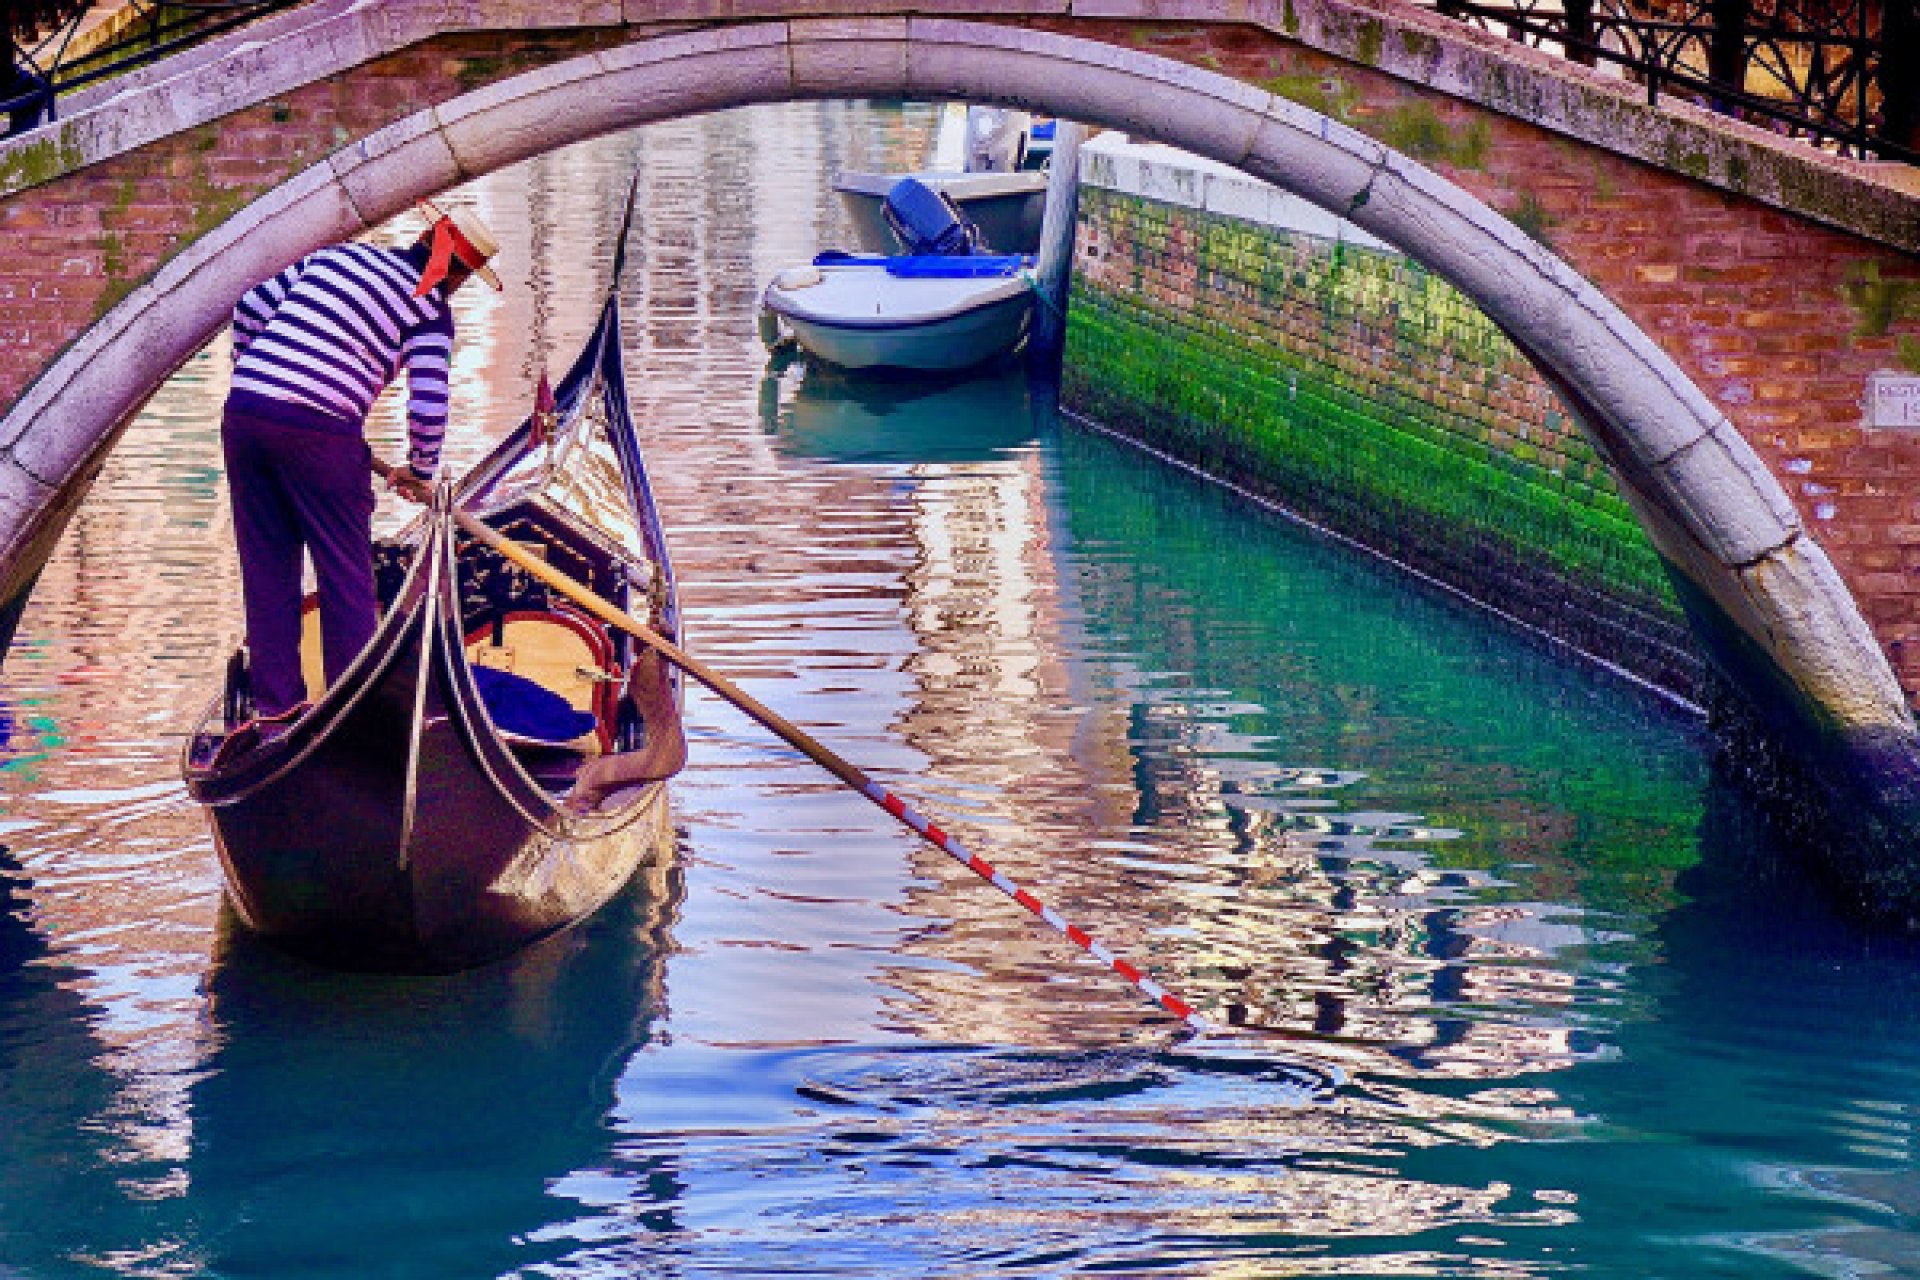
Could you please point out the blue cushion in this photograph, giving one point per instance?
(519, 706)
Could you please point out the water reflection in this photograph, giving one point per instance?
(56, 1096)
(429, 1118)
(1580, 1030)
(816, 412)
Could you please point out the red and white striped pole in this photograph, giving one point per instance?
(973, 862)
(840, 768)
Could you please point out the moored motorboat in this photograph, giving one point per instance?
(1009, 208)
(491, 767)
(942, 306)
(986, 160)
(904, 313)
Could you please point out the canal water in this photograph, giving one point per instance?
(1538, 998)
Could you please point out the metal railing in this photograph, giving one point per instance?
(1840, 74)
(53, 63)
(1843, 75)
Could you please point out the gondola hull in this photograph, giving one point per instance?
(323, 861)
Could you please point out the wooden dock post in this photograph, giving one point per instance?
(1054, 272)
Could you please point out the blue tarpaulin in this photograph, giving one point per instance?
(930, 266)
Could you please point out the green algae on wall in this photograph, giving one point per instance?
(40, 159)
(1364, 392)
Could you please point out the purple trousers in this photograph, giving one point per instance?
(300, 489)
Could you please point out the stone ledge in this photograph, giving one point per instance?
(1878, 201)
(1155, 171)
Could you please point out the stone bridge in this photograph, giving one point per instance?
(1734, 317)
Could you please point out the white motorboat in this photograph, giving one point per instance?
(924, 313)
(1007, 207)
(943, 305)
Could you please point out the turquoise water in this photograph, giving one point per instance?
(1536, 996)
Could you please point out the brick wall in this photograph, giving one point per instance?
(1354, 387)
(73, 248)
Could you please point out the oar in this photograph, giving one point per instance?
(828, 760)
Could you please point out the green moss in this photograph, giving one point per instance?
(113, 265)
(1330, 95)
(1606, 187)
(1877, 303)
(1684, 155)
(1418, 44)
(479, 69)
(1369, 39)
(1532, 217)
(1418, 130)
(30, 163)
(1261, 405)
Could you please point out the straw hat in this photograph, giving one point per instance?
(479, 239)
(465, 238)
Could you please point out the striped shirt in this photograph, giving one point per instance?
(316, 344)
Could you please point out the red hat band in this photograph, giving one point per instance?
(448, 244)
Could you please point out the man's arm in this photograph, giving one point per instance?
(426, 352)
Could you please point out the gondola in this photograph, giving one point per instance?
(491, 768)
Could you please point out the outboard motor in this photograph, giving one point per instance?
(928, 222)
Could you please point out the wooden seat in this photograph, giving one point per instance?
(559, 649)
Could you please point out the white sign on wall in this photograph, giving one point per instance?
(1893, 400)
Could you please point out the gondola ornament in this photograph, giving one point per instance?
(545, 417)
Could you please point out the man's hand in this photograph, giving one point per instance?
(409, 486)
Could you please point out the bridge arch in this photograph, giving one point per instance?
(1763, 596)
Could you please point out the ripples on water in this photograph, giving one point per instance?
(1544, 1004)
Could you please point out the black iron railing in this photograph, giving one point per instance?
(45, 65)
(1840, 74)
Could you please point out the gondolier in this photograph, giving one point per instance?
(491, 768)
(313, 347)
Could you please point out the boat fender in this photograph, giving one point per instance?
(770, 335)
(804, 277)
